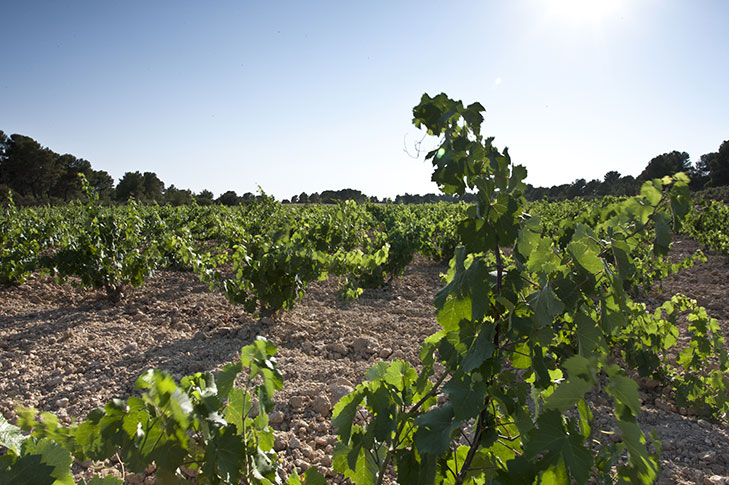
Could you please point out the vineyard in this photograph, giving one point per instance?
(497, 342)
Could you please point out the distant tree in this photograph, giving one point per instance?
(248, 197)
(611, 177)
(313, 198)
(665, 164)
(131, 185)
(4, 187)
(576, 189)
(703, 165)
(719, 166)
(609, 182)
(229, 198)
(534, 193)
(627, 185)
(153, 187)
(332, 196)
(699, 172)
(303, 198)
(146, 187)
(558, 192)
(591, 188)
(28, 169)
(4, 141)
(67, 186)
(103, 184)
(205, 197)
(177, 197)
(294, 199)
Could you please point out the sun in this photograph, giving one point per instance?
(581, 12)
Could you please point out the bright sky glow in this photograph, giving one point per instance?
(582, 12)
(307, 96)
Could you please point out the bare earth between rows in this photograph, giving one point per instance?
(67, 351)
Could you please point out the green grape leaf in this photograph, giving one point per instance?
(356, 464)
(555, 474)
(651, 193)
(28, 470)
(344, 412)
(542, 259)
(229, 452)
(643, 467)
(550, 436)
(589, 335)
(529, 237)
(294, 479)
(453, 311)
(585, 418)
(567, 394)
(625, 391)
(311, 477)
(543, 379)
(234, 411)
(545, 305)
(266, 439)
(10, 436)
(434, 430)
(662, 241)
(611, 314)
(482, 348)
(467, 395)
(621, 251)
(585, 257)
(55, 456)
(415, 468)
(520, 471)
(226, 378)
(383, 413)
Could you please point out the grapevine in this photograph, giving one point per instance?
(527, 319)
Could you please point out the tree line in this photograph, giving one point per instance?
(711, 170)
(38, 175)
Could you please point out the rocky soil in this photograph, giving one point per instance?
(67, 351)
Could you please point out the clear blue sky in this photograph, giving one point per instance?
(306, 96)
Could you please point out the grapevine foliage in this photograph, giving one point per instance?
(109, 251)
(202, 428)
(529, 319)
(707, 223)
(273, 273)
(19, 244)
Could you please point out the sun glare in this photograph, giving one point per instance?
(582, 12)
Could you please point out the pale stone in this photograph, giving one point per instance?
(322, 405)
(276, 417)
(338, 391)
(338, 347)
(363, 345)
